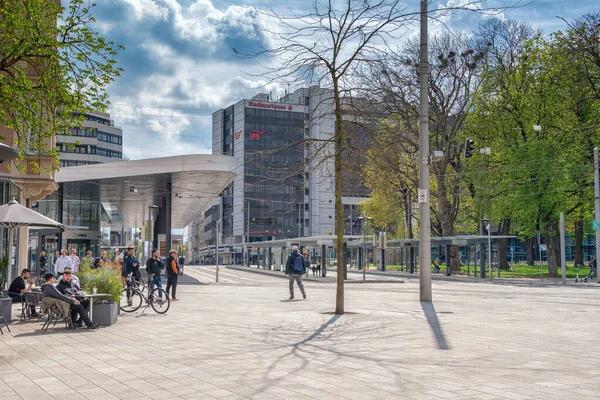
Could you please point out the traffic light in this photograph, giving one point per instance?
(469, 148)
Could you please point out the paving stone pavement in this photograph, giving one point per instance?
(242, 339)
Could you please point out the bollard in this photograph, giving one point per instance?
(217, 273)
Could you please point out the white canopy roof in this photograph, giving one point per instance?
(192, 181)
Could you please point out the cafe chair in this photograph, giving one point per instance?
(5, 304)
(54, 314)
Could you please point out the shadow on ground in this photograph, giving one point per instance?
(434, 324)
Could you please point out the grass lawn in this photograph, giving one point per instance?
(518, 271)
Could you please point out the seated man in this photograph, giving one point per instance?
(17, 288)
(49, 291)
(74, 279)
(69, 287)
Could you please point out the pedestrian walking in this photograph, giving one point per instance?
(319, 266)
(172, 275)
(314, 270)
(181, 264)
(294, 269)
(306, 265)
(75, 260)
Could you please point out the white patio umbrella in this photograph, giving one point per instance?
(13, 216)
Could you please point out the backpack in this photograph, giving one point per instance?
(298, 264)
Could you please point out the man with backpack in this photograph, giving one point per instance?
(294, 269)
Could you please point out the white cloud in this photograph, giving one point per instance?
(143, 9)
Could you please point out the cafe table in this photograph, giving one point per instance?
(91, 296)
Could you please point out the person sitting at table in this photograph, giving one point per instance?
(51, 293)
(18, 287)
(69, 287)
(74, 278)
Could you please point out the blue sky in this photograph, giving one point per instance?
(179, 67)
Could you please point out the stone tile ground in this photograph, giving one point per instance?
(242, 339)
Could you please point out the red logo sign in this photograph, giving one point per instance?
(273, 106)
(237, 135)
(254, 134)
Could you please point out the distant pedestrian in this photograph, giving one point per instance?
(294, 269)
(319, 266)
(306, 265)
(75, 260)
(593, 269)
(181, 264)
(172, 275)
(314, 270)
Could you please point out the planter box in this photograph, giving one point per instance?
(106, 314)
(6, 307)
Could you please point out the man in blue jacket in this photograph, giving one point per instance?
(294, 269)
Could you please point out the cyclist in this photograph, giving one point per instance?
(131, 266)
(154, 267)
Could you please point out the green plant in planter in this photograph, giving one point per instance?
(106, 279)
(3, 271)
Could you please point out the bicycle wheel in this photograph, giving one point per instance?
(159, 300)
(133, 303)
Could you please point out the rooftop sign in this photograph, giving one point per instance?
(271, 106)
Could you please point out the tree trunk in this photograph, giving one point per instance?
(503, 245)
(454, 259)
(408, 215)
(339, 207)
(579, 242)
(445, 216)
(530, 251)
(553, 249)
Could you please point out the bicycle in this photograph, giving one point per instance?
(157, 298)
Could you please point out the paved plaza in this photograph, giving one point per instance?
(242, 339)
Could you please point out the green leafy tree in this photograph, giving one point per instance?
(53, 68)
(525, 111)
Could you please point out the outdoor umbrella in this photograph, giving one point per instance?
(13, 215)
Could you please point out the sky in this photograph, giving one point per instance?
(179, 66)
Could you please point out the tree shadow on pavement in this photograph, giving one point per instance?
(434, 324)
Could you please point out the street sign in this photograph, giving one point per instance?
(512, 249)
(595, 224)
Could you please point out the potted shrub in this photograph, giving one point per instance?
(106, 279)
(5, 301)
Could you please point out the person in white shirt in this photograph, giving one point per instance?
(75, 260)
(62, 263)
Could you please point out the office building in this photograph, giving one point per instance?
(285, 188)
(97, 141)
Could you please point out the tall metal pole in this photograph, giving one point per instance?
(489, 229)
(425, 218)
(597, 196)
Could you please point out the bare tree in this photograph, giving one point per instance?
(327, 46)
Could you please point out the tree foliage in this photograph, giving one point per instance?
(53, 68)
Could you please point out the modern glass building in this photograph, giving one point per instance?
(285, 187)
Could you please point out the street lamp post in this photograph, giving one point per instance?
(425, 217)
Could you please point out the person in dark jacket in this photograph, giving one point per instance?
(48, 290)
(181, 264)
(294, 269)
(131, 265)
(69, 287)
(172, 275)
(154, 267)
(20, 285)
(306, 265)
(43, 262)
